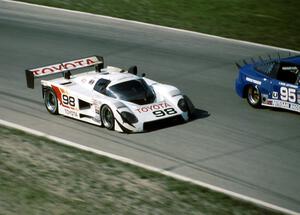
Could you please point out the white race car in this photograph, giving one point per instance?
(111, 97)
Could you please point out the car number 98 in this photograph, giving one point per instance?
(164, 112)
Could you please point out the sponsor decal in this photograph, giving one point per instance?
(253, 81)
(153, 107)
(295, 107)
(275, 95)
(71, 113)
(286, 105)
(288, 85)
(96, 107)
(289, 68)
(91, 81)
(265, 100)
(281, 104)
(64, 66)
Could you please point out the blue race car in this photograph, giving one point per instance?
(273, 82)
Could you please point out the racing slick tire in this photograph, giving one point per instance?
(50, 101)
(254, 96)
(107, 117)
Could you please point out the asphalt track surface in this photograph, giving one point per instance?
(229, 144)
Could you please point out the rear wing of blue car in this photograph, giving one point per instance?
(63, 67)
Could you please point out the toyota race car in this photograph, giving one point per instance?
(110, 97)
(273, 82)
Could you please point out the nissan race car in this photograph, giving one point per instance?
(110, 97)
(273, 82)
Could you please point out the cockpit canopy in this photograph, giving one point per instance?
(136, 91)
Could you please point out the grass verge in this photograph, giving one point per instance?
(269, 22)
(39, 176)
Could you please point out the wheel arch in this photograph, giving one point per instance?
(245, 89)
(44, 88)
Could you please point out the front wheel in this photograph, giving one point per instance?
(254, 97)
(50, 101)
(107, 117)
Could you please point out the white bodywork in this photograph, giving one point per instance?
(88, 102)
(77, 98)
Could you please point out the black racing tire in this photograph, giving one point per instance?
(50, 100)
(107, 117)
(253, 96)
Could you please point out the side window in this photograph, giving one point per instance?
(288, 74)
(266, 68)
(101, 85)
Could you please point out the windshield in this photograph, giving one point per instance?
(136, 91)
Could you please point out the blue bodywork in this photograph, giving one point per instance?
(278, 81)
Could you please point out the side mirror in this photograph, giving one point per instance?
(133, 70)
(143, 75)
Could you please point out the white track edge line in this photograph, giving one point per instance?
(156, 26)
(148, 167)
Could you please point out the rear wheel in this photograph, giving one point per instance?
(107, 117)
(254, 96)
(50, 101)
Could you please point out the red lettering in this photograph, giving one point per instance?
(155, 107)
(144, 109)
(70, 65)
(59, 68)
(36, 72)
(89, 61)
(47, 70)
(79, 62)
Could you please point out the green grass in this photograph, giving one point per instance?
(275, 22)
(39, 176)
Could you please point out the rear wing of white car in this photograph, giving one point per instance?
(31, 74)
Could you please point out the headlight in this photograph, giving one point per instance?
(129, 117)
(182, 105)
